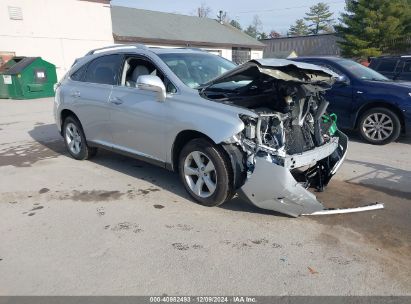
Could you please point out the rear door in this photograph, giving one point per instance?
(91, 95)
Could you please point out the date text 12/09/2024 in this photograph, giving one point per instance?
(203, 299)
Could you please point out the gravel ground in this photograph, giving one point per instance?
(118, 226)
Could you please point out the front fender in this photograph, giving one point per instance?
(217, 121)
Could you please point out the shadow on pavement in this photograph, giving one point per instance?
(392, 181)
(53, 145)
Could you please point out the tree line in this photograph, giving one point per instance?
(318, 20)
(367, 27)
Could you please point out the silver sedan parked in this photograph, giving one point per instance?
(260, 129)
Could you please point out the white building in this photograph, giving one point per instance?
(62, 30)
(57, 30)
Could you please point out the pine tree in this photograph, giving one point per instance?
(299, 28)
(371, 27)
(236, 24)
(319, 18)
(251, 31)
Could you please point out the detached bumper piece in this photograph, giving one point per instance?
(273, 187)
(284, 194)
(375, 206)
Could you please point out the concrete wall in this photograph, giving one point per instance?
(57, 30)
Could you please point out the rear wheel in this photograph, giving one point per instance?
(75, 140)
(206, 172)
(379, 126)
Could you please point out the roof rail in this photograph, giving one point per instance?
(117, 46)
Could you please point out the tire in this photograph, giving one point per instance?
(198, 176)
(379, 126)
(75, 140)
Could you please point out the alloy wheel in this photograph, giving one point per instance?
(378, 126)
(200, 174)
(73, 138)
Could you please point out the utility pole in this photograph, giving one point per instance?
(221, 16)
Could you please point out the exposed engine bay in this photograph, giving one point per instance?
(290, 130)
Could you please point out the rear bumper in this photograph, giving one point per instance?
(273, 187)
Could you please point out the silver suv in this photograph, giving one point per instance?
(259, 129)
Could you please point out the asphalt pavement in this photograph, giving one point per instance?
(118, 226)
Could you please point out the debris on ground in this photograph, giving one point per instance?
(312, 270)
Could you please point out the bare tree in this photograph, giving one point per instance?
(204, 10)
(257, 23)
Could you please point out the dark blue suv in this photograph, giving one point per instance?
(365, 100)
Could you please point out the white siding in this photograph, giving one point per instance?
(57, 30)
(256, 54)
(62, 30)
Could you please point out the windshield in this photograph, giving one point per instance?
(361, 71)
(196, 69)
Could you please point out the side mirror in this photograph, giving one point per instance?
(152, 83)
(342, 79)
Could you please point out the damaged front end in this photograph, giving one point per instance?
(290, 143)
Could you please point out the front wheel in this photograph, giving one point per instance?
(379, 126)
(206, 172)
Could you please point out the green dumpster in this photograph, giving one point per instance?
(26, 78)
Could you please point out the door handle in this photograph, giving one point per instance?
(116, 100)
(75, 94)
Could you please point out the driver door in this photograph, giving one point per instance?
(137, 118)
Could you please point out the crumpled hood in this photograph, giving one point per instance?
(282, 69)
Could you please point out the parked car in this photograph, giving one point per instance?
(393, 67)
(365, 100)
(256, 129)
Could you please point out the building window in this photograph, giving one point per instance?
(15, 13)
(241, 55)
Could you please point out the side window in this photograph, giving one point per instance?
(399, 67)
(328, 66)
(103, 70)
(407, 67)
(79, 74)
(135, 67)
(335, 70)
(387, 65)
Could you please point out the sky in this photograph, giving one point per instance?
(275, 14)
